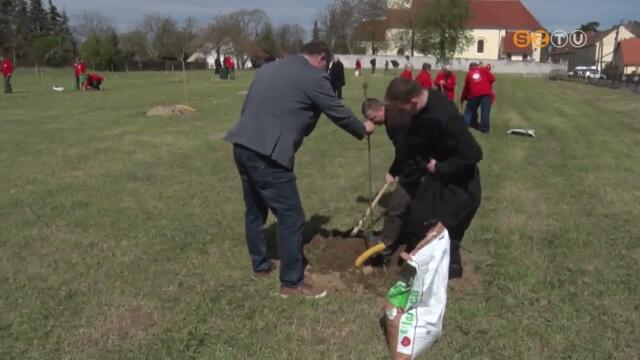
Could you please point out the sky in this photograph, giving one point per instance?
(553, 14)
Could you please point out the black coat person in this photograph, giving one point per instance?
(373, 65)
(451, 194)
(217, 65)
(336, 76)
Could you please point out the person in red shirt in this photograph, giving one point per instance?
(424, 78)
(478, 93)
(7, 73)
(358, 67)
(446, 82)
(93, 82)
(80, 71)
(408, 72)
(230, 65)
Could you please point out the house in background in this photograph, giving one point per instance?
(491, 25)
(629, 56)
(598, 51)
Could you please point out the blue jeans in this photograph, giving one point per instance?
(267, 185)
(471, 113)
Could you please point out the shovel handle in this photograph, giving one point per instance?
(370, 208)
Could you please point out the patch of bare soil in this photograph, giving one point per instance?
(332, 265)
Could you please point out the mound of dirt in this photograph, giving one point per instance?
(170, 110)
(332, 261)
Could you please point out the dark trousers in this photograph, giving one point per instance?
(95, 85)
(395, 215)
(471, 113)
(77, 82)
(338, 91)
(7, 85)
(267, 185)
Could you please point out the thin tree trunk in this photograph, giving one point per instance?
(184, 82)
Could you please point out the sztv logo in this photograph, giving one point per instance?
(541, 39)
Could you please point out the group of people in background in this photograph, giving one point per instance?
(477, 91)
(83, 80)
(226, 67)
(86, 81)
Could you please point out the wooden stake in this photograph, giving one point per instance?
(184, 83)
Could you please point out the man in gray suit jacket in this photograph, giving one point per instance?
(282, 107)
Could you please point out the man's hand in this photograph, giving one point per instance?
(389, 178)
(369, 126)
(431, 166)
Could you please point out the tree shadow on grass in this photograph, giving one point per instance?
(313, 227)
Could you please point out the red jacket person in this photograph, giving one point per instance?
(7, 73)
(424, 78)
(478, 93)
(446, 82)
(93, 82)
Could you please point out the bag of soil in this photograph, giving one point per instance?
(416, 304)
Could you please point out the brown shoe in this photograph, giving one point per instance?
(305, 290)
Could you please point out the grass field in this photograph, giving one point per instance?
(121, 236)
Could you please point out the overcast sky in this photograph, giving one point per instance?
(553, 14)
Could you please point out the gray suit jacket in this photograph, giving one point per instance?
(282, 107)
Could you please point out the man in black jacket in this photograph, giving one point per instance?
(439, 170)
(336, 77)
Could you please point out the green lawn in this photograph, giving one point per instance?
(121, 236)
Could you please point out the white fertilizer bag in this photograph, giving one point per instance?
(416, 305)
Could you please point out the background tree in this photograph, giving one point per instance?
(7, 27)
(91, 23)
(132, 46)
(267, 40)
(340, 21)
(187, 38)
(316, 31)
(591, 26)
(217, 34)
(22, 30)
(38, 19)
(54, 20)
(243, 27)
(91, 51)
(290, 38)
(440, 29)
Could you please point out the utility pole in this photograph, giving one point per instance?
(413, 37)
(615, 52)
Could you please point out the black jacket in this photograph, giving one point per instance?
(452, 194)
(397, 125)
(336, 75)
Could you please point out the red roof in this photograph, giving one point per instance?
(501, 14)
(509, 46)
(630, 50)
(484, 14)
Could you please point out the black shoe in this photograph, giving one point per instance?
(383, 258)
(455, 271)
